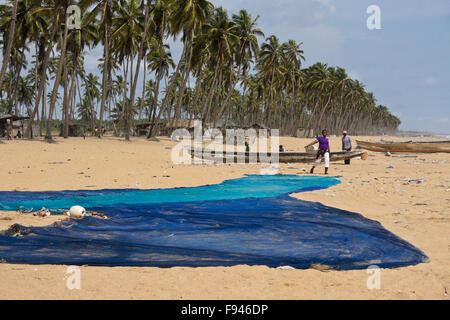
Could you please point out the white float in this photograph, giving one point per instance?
(77, 212)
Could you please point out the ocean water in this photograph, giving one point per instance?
(251, 220)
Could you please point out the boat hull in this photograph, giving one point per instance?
(283, 157)
(413, 147)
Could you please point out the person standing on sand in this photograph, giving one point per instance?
(9, 132)
(347, 144)
(323, 152)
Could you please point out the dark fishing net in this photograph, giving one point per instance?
(252, 221)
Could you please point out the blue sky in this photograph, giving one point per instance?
(405, 64)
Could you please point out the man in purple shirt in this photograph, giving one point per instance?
(323, 152)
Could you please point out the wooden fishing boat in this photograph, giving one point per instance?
(283, 157)
(440, 142)
(410, 146)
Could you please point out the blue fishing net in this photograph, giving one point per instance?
(251, 220)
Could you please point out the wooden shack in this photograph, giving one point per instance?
(75, 129)
(169, 128)
(257, 127)
(141, 129)
(13, 123)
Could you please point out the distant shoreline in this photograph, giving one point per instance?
(422, 134)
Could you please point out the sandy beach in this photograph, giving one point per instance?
(412, 200)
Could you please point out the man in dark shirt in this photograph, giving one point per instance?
(347, 144)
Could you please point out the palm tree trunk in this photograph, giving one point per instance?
(138, 64)
(197, 96)
(48, 134)
(36, 73)
(229, 94)
(7, 55)
(311, 117)
(184, 78)
(141, 105)
(155, 106)
(172, 81)
(69, 102)
(66, 102)
(92, 116)
(270, 101)
(28, 132)
(105, 76)
(16, 96)
(206, 108)
(44, 108)
(124, 85)
(210, 96)
(319, 122)
(91, 108)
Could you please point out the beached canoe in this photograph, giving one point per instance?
(283, 157)
(440, 143)
(416, 147)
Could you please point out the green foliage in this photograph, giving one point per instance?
(225, 73)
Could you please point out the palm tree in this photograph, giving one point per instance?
(187, 16)
(84, 110)
(292, 58)
(220, 38)
(62, 11)
(28, 28)
(92, 91)
(105, 9)
(160, 61)
(248, 34)
(270, 64)
(36, 23)
(26, 92)
(248, 49)
(136, 76)
(43, 11)
(127, 29)
(7, 53)
(78, 40)
(218, 52)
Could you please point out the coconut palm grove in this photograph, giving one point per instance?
(229, 73)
